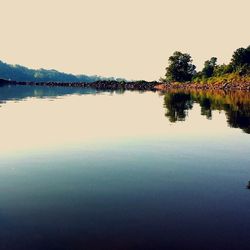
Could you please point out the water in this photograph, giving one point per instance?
(81, 169)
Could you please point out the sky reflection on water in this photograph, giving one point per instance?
(105, 170)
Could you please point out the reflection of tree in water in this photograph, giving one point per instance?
(239, 117)
(235, 104)
(177, 105)
(206, 109)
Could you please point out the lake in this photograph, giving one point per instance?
(85, 169)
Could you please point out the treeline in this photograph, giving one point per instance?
(21, 73)
(182, 69)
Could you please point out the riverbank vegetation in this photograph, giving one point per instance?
(182, 70)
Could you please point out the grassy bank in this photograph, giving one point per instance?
(234, 77)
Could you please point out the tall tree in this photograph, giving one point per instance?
(180, 67)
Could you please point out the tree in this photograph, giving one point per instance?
(209, 67)
(241, 57)
(180, 68)
(223, 69)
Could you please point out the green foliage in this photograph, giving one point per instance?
(241, 58)
(209, 67)
(223, 69)
(180, 68)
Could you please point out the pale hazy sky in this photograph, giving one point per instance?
(124, 38)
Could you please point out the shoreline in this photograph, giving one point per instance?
(139, 85)
(98, 85)
(230, 86)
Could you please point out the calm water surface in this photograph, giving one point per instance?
(81, 169)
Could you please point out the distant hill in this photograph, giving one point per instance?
(21, 73)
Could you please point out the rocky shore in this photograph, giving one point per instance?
(245, 86)
(140, 85)
(99, 85)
